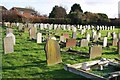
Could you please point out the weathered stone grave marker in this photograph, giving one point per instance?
(33, 32)
(13, 37)
(114, 42)
(83, 43)
(95, 51)
(8, 45)
(53, 55)
(39, 37)
(9, 30)
(66, 35)
(105, 42)
(71, 43)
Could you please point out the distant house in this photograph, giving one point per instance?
(2, 10)
(25, 13)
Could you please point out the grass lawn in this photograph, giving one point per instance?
(29, 61)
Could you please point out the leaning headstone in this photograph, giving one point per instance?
(83, 43)
(105, 42)
(115, 42)
(8, 45)
(53, 55)
(39, 37)
(71, 43)
(13, 37)
(95, 51)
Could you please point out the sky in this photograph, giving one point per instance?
(109, 7)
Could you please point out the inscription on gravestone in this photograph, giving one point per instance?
(53, 55)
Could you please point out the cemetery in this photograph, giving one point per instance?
(61, 51)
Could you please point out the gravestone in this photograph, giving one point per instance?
(53, 38)
(114, 36)
(39, 38)
(74, 35)
(71, 43)
(115, 42)
(62, 39)
(53, 55)
(13, 37)
(8, 45)
(96, 38)
(95, 51)
(9, 30)
(88, 37)
(20, 28)
(33, 32)
(105, 42)
(108, 34)
(83, 43)
(119, 47)
(119, 36)
(66, 35)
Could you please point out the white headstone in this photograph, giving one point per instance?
(105, 42)
(39, 37)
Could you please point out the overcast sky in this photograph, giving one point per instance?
(110, 7)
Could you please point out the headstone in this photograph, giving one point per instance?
(71, 43)
(8, 45)
(83, 43)
(88, 37)
(108, 34)
(9, 30)
(53, 55)
(53, 38)
(39, 37)
(119, 47)
(74, 35)
(66, 35)
(105, 42)
(95, 51)
(119, 36)
(115, 42)
(13, 37)
(62, 39)
(96, 38)
(33, 33)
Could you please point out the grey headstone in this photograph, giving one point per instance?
(8, 45)
(83, 43)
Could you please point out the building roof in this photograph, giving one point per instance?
(23, 9)
(3, 8)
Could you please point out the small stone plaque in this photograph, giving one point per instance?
(95, 51)
(53, 55)
(71, 43)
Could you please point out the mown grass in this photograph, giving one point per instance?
(29, 61)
